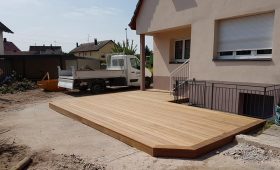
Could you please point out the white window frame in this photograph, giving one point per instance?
(254, 55)
(254, 51)
(183, 51)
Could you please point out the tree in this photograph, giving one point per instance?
(148, 52)
(149, 57)
(125, 48)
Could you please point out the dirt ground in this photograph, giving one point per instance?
(19, 100)
(29, 127)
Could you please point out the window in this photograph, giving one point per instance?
(265, 51)
(244, 52)
(226, 53)
(256, 105)
(246, 37)
(118, 62)
(182, 50)
(135, 63)
(121, 62)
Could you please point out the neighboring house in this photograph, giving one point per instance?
(3, 28)
(46, 50)
(234, 42)
(96, 49)
(10, 48)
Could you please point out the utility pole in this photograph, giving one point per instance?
(126, 40)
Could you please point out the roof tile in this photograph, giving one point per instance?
(90, 46)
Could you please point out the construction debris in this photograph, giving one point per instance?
(22, 164)
(15, 83)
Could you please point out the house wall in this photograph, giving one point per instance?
(164, 51)
(1, 43)
(160, 18)
(107, 49)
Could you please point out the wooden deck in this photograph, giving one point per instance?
(147, 121)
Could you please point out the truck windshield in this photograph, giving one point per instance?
(135, 63)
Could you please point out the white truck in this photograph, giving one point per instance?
(121, 70)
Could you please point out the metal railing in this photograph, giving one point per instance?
(180, 74)
(250, 100)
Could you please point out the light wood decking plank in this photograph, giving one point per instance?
(149, 122)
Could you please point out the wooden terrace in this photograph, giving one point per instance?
(147, 120)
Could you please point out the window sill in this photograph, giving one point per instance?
(243, 58)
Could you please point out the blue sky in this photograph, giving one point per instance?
(65, 22)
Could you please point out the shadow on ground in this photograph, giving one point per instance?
(77, 93)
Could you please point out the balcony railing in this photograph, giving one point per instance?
(180, 74)
(250, 100)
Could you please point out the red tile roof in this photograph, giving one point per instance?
(10, 47)
(91, 46)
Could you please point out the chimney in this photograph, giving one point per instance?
(77, 44)
(95, 41)
(5, 39)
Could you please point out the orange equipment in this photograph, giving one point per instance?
(49, 84)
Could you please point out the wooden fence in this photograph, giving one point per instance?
(5, 68)
(34, 67)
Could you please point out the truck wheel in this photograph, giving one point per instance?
(96, 88)
(148, 82)
(83, 88)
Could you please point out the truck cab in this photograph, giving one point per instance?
(131, 65)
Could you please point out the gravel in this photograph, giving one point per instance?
(251, 153)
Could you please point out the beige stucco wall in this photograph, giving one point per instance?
(1, 43)
(107, 49)
(164, 50)
(160, 17)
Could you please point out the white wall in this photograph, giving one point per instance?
(1, 43)
(162, 18)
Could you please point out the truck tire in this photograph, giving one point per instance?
(148, 82)
(83, 88)
(97, 88)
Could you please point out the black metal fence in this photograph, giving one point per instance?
(5, 68)
(250, 100)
